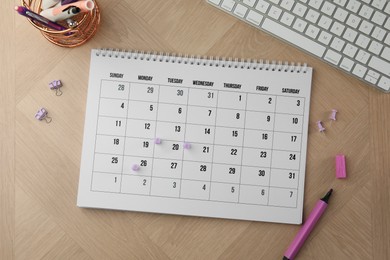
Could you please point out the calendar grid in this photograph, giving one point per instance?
(215, 127)
(242, 147)
(273, 138)
(300, 157)
(155, 130)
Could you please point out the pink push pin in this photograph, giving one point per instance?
(56, 84)
(187, 146)
(42, 115)
(157, 141)
(341, 171)
(320, 127)
(333, 115)
(135, 167)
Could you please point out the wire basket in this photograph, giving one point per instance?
(87, 24)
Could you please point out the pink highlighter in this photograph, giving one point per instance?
(307, 227)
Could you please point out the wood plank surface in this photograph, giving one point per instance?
(40, 162)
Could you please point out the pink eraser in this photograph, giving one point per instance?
(341, 171)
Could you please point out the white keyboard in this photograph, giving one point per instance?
(352, 35)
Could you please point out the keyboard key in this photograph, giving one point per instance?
(373, 74)
(387, 24)
(299, 9)
(350, 35)
(359, 70)
(287, 18)
(340, 2)
(337, 44)
(337, 28)
(287, 4)
(340, 14)
(353, 6)
(216, 2)
(378, 33)
(328, 8)
(366, 27)
(312, 16)
(386, 54)
(228, 5)
(274, 1)
(240, 10)
(379, 4)
(384, 83)
(380, 65)
(312, 31)
(275, 12)
(387, 40)
(315, 3)
(250, 3)
(378, 18)
(350, 50)
(387, 9)
(362, 56)
(366, 11)
(325, 37)
(333, 57)
(293, 37)
(353, 21)
(371, 79)
(254, 17)
(375, 47)
(262, 6)
(299, 25)
(362, 41)
(347, 64)
(325, 22)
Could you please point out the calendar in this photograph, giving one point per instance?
(195, 136)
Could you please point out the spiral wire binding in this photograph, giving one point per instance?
(198, 60)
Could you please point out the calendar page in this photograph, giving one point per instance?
(194, 136)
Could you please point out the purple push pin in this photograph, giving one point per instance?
(42, 114)
(56, 84)
(135, 167)
(187, 146)
(157, 141)
(320, 127)
(333, 115)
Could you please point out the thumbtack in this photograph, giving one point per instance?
(135, 167)
(187, 146)
(56, 84)
(42, 115)
(157, 141)
(333, 115)
(320, 127)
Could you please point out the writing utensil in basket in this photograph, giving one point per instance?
(38, 18)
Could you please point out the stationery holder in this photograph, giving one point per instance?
(87, 24)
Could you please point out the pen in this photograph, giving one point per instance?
(307, 227)
(38, 18)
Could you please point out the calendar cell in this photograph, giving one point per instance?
(200, 133)
(145, 165)
(170, 131)
(201, 115)
(165, 187)
(288, 123)
(199, 153)
(105, 182)
(113, 107)
(287, 141)
(290, 105)
(200, 171)
(224, 192)
(230, 118)
(284, 178)
(258, 139)
(203, 97)
(109, 144)
(139, 147)
(285, 160)
(259, 120)
(169, 150)
(167, 168)
(226, 173)
(227, 154)
(255, 176)
(261, 103)
(195, 190)
(114, 89)
(235, 100)
(256, 157)
(144, 92)
(140, 128)
(135, 184)
(142, 110)
(172, 113)
(176, 95)
(282, 197)
(108, 163)
(229, 136)
(253, 194)
(111, 126)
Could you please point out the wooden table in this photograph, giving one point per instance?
(39, 168)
